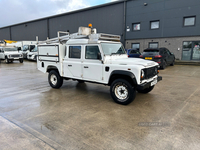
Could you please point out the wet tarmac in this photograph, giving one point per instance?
(84, 116)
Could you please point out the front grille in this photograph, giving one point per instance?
(150, 72)
(15, 55)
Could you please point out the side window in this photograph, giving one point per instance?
(168, 52)
(165, 52)
(91, 52)
(75, 52)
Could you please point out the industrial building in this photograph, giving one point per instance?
(142, 24)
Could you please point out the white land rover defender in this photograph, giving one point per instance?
(97, 58)
(10, 54)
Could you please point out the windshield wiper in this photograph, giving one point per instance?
(113, 54)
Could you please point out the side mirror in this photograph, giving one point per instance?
(99, 56)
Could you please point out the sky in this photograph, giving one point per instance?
(18, 11)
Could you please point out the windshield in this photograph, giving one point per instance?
(112, 48)
(34, 50)
(10, 49)
(28, 47)
(25, 47)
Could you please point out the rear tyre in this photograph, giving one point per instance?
(164, 65)
(81, 81)
(21, 60)
(147, 90)
(55, 80)
(122, 92)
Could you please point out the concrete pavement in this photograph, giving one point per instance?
(84, 116)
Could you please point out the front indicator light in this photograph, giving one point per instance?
(142, 74)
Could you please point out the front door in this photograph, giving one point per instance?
(170, 58)
(191, 50)
(92, 66)
(196, 51)
(1, 54)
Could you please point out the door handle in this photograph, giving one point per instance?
(69, 65)
(86, 67)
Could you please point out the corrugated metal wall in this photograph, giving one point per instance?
(107, 19)
(170, 13)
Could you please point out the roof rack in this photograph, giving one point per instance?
(83, 32)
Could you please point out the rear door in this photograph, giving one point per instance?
(73, 62)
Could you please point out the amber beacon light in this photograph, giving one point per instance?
(90, 25)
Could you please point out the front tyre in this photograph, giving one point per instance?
(147, 90)
(122, 92)
(7, 60)
(172, 64)
(21, 60)
(55, 80)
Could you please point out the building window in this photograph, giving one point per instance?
(136, 26)
(155, 24)
(136, 46)
(75, 52)
(153, 45)
(189, 21)
(92, 52)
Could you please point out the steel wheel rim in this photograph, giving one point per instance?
(121, 92)
(53, 79)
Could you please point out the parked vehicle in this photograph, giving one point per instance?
(26, 49)
(160, 55)
(133, 53)
(19, 44)
(97, 58)
(32, 55)
(9, 54)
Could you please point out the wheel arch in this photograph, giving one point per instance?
(49, 68)
(126, 75)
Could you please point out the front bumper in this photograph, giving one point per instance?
(15, 58)
(148, 84)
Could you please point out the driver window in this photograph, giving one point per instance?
(92, 52)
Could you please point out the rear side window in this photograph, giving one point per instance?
(75, 52)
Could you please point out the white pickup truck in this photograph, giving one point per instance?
(10, 54)
(97, 58)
